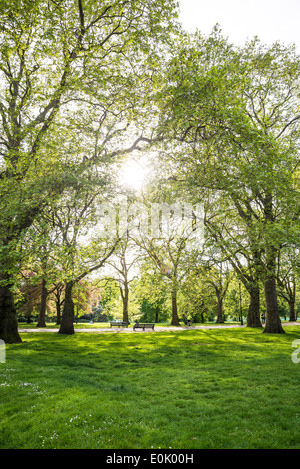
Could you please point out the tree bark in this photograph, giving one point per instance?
(58, 302)
(220, 317)
(156, 314)
(253, 316)
(291, 290)
(175, 319)
(58, 312)
(273, 323)
(67, 320)
(42, 315)
(292, 310)
(8, 316)
(125, 300)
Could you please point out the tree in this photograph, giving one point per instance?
(49, 52)
(228, 234)
(85, 295)
(57, 294)
(109, 295)
(151, 290)
(198, 298)
(167, 244)
(286, 277)
(233, 115)
(209, 265)
(220, 283)
(82, 249)
(37, 256)
(30, 290)
(237, 299)
(124, 261)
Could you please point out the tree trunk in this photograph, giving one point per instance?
(253, 316)
(292, 310)
(67, 320)
(273, 323)
(156, 314)
(175, 319)
(42, 315)
(220, 317)
(8, 317)
(58, 312)
(125, 300)
(58, 303)
(292, 299)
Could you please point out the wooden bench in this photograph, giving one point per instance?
(143, 326)
(188, 322)
(119, 324)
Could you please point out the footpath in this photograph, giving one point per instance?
(157, 329)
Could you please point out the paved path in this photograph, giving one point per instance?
(158, 328)
(130, 329)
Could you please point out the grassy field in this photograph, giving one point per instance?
(221, 388)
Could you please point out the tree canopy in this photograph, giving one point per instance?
(84, 84)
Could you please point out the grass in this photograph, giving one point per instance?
(221, 388)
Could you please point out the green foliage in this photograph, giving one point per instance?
(236, 300)
(109, 296)
(64, 70)
(231, 118)
(84, 84)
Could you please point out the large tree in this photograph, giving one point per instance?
(286, 277)
(82, 246)
(233, 115)
(124, 261)
(168, 243)
(228, 234)
(50, 54)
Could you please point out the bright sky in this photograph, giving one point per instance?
(133, 174)
(270, 20)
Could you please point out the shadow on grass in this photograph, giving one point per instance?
(189, 389)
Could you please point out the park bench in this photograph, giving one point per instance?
(143, 326)
(119, 324)
(188, 322)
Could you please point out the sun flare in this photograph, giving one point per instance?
(133, 175)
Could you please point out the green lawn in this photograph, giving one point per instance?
(221, 388)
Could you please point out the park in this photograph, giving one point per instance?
(188, 389)
(149, 231)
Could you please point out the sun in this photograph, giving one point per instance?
(133, 175)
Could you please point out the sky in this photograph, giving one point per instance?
(270, 20)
